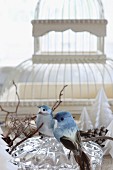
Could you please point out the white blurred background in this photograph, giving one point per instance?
(16, 41)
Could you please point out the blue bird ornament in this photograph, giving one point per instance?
(67, 132)
(45, 116)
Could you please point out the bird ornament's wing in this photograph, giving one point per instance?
(38, 120)
(52, 124)
(79, 155)
(82, 159)
(78, 139)
(68, 143)
(72, 144)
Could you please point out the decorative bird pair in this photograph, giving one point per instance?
(64, 128)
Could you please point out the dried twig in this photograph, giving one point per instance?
(29, 136)
(96, 138)
(9, 112)
(58, 102)
(17, 97)
(18, 127)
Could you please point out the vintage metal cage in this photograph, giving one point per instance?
(68, 50)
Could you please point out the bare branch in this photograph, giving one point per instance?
(96, 138)
(57, 103)
(18, 127)
(17, 97)
(29, 136)
(9, 112)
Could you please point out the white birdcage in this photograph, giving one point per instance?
(66, 31)
(68, 50)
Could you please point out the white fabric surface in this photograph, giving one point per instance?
(5, 157)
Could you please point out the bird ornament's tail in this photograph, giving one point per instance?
(83, 161)
(80, 156)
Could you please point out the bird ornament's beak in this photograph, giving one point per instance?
(39, 112)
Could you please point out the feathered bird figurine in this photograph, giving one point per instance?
(66, 131)
(45, 116)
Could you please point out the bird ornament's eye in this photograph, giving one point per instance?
(62, 118)
(43, 109)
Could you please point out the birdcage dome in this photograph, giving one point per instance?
(69, 9)
(43, 82)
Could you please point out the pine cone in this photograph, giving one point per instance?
(95, 133)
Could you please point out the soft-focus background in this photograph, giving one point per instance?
(16, 41)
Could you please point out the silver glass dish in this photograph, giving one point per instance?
(48, 154)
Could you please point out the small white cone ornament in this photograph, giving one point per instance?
(101, 114)
(85, 121)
